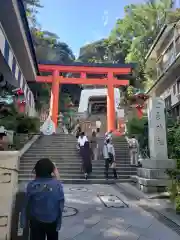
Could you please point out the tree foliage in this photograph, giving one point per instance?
(139, 28)
(104, 50)
(131, 38)
(47, 44)
(48, 48)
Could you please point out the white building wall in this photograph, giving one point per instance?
(170, 91)
(88, 93)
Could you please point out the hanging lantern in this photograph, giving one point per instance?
(19, 92)
(21, 103)
(137, 100)
(139, 108)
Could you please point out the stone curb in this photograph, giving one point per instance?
(28, 145)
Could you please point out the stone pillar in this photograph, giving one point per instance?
(157, 129)
(90, 108)
(9, 161)
(152, 177)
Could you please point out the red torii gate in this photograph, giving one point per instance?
(110, 70)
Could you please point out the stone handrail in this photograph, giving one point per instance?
(9, 162)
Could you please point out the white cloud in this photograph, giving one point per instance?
(86, 43)
(105, 18)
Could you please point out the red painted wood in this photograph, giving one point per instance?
(100, 70)
(96, 81)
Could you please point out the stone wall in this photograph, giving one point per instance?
(9, 161)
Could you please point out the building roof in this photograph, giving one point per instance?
(28, 33)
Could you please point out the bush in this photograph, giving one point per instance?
(9, 123)
(139, 128)
(27, 124)
(21, 123)
(136, 126)
(173, 142)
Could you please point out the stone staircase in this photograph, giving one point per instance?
(61, 149)
(90, 123)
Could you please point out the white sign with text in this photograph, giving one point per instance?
(157, 129)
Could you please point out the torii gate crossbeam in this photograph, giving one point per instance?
(110, 81)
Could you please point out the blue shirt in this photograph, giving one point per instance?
(45, 201)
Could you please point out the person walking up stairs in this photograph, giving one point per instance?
(61, 149)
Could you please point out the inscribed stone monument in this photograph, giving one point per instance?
(157, 129)
(152, 176)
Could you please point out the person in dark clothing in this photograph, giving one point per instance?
(86, 159)
(44, 202)
(109, 157)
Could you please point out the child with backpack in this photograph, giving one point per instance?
(44, 202)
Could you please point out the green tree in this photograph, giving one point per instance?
(104, 50)
(48, 48)
(47, 44)
(138, 29)
(32, 7)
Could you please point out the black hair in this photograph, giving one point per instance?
(93, 134)
(82, 134)
(107, 141)
(44, 168)
(133, 136)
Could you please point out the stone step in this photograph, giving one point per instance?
(84, 181)
(100, 163)
(49, 143)
(55, 147)
(75, 171)
(27, 168)
(67, 156)
(74, 176)
(73, 147)
(55, 153)
(63, 149)
(60, 157)
(74, 165)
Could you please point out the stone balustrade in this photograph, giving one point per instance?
(9, 161)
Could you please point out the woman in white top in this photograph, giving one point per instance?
(82, 139)
(81, 142)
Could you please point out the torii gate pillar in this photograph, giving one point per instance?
(54, 106)
(110, 106)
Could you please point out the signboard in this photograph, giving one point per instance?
(157, 129)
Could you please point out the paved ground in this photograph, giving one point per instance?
(107, 217)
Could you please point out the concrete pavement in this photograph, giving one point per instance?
(104, 212)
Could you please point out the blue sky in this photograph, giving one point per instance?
(78, 22)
